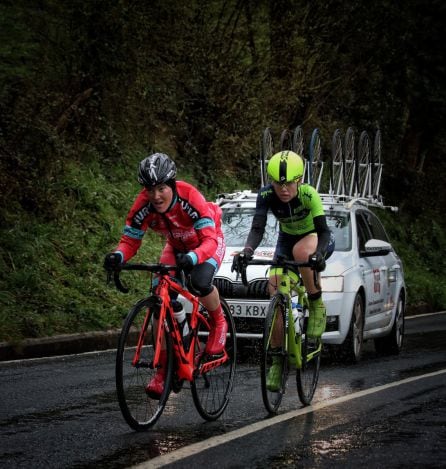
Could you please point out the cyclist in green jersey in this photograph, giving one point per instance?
(303, 232)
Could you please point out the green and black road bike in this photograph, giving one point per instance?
(286, 345)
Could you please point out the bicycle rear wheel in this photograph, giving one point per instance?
(308, 375)
(274, 356)
(134, 373)
(212, 389)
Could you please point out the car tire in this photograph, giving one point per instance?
(392, 344)
(353, 345)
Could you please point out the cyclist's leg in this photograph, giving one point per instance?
(201, 282)
(301, 252)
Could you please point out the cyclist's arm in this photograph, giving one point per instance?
(135, 227)
(323, 233)
(205, 218)
(319, 219)
(257, 231)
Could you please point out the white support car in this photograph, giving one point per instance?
(363, 283)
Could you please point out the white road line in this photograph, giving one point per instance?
(195, 448)
(424, 315)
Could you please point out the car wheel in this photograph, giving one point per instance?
(392, 343)
(353, 344)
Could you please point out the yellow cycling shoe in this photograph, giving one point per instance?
(274, 378)
(317, 319)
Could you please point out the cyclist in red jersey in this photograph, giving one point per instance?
(194, 241)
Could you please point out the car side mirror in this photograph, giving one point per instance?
(376, 247)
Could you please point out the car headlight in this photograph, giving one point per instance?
(332, 284)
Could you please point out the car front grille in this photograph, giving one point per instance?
(257, 289)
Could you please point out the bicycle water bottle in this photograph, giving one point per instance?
(180, 316)
(297, 311)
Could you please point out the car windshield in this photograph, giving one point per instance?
(339, 224)
(236, 225)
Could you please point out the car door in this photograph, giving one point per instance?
(374, 272)
(389, 261)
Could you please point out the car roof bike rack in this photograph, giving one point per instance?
(352, 174)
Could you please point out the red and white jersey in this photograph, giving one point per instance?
(191, 224)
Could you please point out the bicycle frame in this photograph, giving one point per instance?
(184, 359)
(290, 281)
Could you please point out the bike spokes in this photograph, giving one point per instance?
(213, 382)
(307, 376)
(274, 364)
(134, 369)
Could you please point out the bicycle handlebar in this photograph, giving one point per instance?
(162, 269)
(278, 263)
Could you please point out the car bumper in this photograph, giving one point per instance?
(249, 315)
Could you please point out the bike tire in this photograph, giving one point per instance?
(138, 409)
(308, 374)
(315, 166)
(337, 164)
(363, 165)
(349, 159)
(211, 391)
(285, 140)
(266, 151)
(298, 141)
(272, 398)
(376, 164)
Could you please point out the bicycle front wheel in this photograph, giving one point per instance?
(308, 374)
(211, 390)
(274, 363)
(134, 367)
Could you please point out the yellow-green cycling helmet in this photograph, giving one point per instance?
(285, 166)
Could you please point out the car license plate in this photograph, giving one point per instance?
(248, 309)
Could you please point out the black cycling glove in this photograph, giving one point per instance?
(241, 259)
(184, 262)
(317, 261)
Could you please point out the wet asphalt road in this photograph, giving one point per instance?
(62, 412)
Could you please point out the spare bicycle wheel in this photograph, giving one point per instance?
(337, 164)
(285, 140)
(349, 160)
(266, 151)
(298, 141)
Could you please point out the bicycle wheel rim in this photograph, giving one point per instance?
(349, 160)
(362, 163)
(285, 142)
(138, 409)
(211, 391)
(315, 166)
(266, 152)
(337, 163)
(307, 376)
(273, 398)
(298, 141)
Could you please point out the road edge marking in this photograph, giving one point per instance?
(195, 448)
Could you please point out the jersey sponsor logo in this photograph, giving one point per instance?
(187, 207)
(141, 214)
(307, 195)
(183, 234)
(266, 192)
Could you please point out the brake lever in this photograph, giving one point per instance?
(119, 285)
